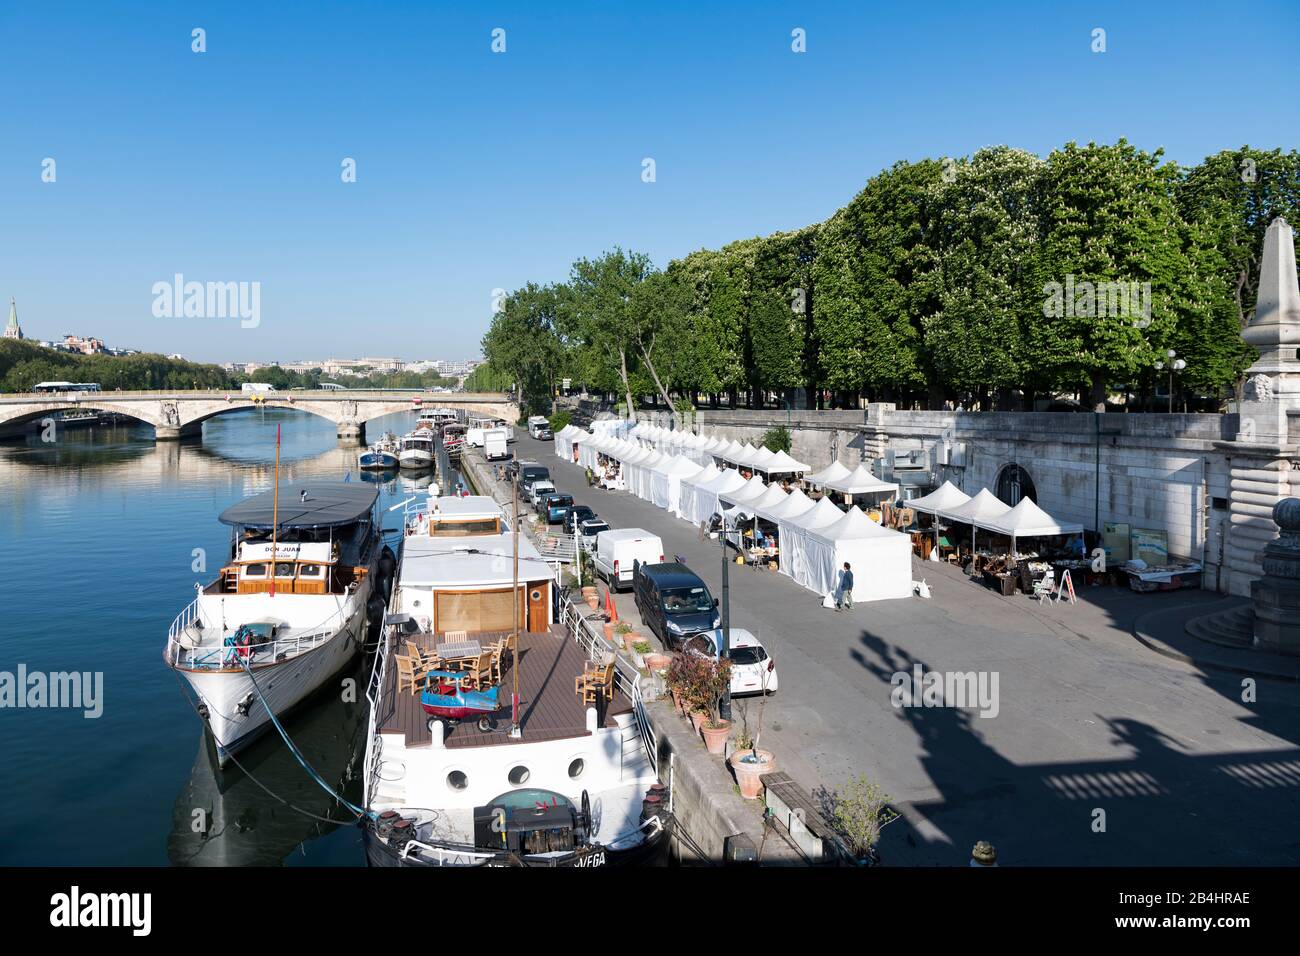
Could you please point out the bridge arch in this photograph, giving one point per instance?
(23, 414)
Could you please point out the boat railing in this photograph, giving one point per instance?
(457, 855)
(374, 743)
(626, 679)
(231, 657)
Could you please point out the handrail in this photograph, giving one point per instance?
(222, 657)
(456, 853)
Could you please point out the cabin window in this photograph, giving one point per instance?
(314, 571)
(518, 776)
(284, 569)
(478, 526)
(456, 780)
(255, 570)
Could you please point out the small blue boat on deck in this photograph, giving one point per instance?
(454, 695)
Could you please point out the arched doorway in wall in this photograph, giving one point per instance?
(1013, 484)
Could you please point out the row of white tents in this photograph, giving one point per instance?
(681, 474)
(987, 512)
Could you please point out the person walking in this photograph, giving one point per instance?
(844, 598)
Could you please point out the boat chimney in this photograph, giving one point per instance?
(592, 722)
(438, 729)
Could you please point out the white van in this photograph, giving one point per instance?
(494, 444)
(250, 388)
(538, 424)
(618, 551)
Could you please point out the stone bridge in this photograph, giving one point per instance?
(181, 413)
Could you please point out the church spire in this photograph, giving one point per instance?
(12, 330)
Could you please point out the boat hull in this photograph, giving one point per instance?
(378, 461)
(416, 458)
(281, 686)
(653, 851)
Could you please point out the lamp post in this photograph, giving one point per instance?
(724, 651)
(1175, 364)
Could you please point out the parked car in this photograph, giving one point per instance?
(556, 507)
(538, 490)
(674, 602)
(618, 552)
(576, 516)
(752, 670)
(531, 471)
(588, 530)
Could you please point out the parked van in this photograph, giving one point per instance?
(530, 471)
(674, 602)
(494, 444)
(538, 424)
(250, 388)
(618, 552)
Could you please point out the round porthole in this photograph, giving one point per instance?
(576, 767)
(457, 780)
(518, 775)
(536, 595)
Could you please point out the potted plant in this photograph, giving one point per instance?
(714, 681)
(749, 765)
(640, 649)
(676, 681)
(624, 633)
(859, 811)
(653, 659)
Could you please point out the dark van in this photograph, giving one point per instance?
(530, 472)
(674, 602)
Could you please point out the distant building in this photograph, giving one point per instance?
(87, 346)
(13, 330)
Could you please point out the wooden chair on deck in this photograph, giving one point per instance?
(498, 650)
(410, 673)
(595, 683)
(429, 659)
(481, 669)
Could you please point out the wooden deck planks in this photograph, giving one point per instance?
(549, 708)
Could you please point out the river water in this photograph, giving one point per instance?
(103, 534)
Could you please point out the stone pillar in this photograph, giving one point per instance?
(1262, 454)
(166, 433)
(875, 437)
(1277, 594)
(350, 430)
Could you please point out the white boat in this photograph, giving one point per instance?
(539, 779)
(417, 450)
(382, 454)
(307, 571)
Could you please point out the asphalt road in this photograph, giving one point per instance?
(1101, 751)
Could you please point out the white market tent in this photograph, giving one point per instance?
(667, 478)
(1027, 520)
(688, 488)
(860, 481)
(946, 495)
(783, 464)
(791, 505)
(706, 495)
(639, 473)
(985, 506)
(794, 537)
(761, 458)
(881, 559)
(751, 490)
(832, 472)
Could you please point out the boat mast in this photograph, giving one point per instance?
(275, 509)
(515, 730)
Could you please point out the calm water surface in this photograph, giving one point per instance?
(98, 533)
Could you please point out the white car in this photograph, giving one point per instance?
(538, 489)
(752, 671)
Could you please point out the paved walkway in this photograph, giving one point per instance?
(1089, 718)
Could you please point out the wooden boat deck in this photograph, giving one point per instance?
(549, 708)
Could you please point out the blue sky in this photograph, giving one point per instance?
(478, 171)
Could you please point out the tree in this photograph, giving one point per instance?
(984, 216)
(1110, 229)
(524, 341)
(601, 315)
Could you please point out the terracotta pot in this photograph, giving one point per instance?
(593, 601)
(630, 638)
(748, 774)
(698, 717)
(609, 631)
(589, 592)
(657, 662)
(715, 738)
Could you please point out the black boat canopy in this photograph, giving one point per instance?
(308, 504)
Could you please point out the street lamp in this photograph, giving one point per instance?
(718, 523)
(1175, 364)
